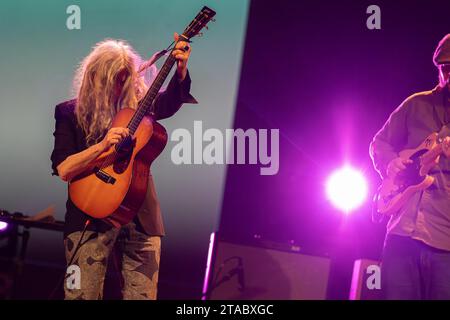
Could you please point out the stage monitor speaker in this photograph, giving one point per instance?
(245, 272)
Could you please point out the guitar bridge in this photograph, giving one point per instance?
(105, 177)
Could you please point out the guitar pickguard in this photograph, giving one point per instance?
(411, 175)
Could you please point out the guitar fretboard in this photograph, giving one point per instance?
(146, 103)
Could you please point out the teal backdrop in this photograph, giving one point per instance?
(38, 58)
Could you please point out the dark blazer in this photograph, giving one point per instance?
(70, 139)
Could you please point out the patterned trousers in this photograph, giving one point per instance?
(140, 255)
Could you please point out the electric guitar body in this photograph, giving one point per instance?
(395, 191)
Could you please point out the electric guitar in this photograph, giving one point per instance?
(114, 186)
(395, 191)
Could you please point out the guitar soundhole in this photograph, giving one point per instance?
(124, 153)
(411, 175)
(125, 146)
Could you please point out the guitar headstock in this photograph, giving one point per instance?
(200, 21)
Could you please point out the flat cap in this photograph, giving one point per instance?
(442, 53)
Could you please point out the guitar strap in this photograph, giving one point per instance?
(442, 121)
(446, 105)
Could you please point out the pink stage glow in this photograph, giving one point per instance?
(208, 273)
(346, 188)
(3, 225)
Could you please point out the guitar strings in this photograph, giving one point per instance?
(139, 114)
(143, 106)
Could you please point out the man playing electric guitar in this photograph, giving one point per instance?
(416, 255)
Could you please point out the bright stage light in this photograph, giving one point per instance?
(346, 188)
(3, 225)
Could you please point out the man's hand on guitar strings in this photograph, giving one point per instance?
(396, 165)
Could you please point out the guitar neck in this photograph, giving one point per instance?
(433, 153)
(146, 103)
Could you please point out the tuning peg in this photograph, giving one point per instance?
(200, 34)
(213, 20)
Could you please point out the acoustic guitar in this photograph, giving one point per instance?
(114, 186)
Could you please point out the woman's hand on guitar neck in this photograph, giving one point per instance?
(181, 52)
(396, 165)
(113, 137)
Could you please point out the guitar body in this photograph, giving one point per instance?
(395, 191)
(100, 198)
(139, 180)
